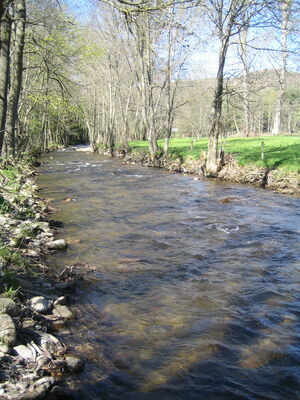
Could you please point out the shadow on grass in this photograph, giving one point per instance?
(287, 157)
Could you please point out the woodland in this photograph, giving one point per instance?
(114, 71)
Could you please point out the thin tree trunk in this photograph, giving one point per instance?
(5, 34)
(16, 73)
(213, 143)
(246, 101)
(286, 7)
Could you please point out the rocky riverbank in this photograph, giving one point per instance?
(274, 179)
(35, 300)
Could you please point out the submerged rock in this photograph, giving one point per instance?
(7, 329)
(40, 304)
(63, 311)
(59, 244)
(62, 393)
(74, 363)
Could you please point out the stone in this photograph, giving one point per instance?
(43, 384)
(8, 306)
(59, 244)
(7, 329)
(61, 301)
(40, 304)
(32, 253)
(63, 311)
(23, 352)
(74, 363)
(42, 361)
(46, 285)
(4, 348)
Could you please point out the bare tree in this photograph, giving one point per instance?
(285, 19)
(16, 71)
(230, 18)
(5, 34)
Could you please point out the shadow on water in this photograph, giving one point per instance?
(192, 298)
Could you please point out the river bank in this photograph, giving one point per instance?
(35, 299)
(230, 170)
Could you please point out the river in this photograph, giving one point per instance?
(193, 297)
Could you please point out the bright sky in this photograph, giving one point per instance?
(202, 64)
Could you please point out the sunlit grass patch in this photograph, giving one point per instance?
(279, 151)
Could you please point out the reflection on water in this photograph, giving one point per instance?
(194, 297)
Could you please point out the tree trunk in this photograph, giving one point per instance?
(286, 7)
(246, 100)
(5, 34)
(16, 73)
(213, 143)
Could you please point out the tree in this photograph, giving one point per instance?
(230, 18)
(16, 72)
(5, 34)
(49, 56)
(285, 6)
(148, 21)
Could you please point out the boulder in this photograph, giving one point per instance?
(40, 304)
(8, 306)
(7, 329)
(63, 311)
(59, 244)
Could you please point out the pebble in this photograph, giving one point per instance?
(62, 393)
(63, 311)
(42, 361)
(8, 306)
(40, 304)
(7, 330)
(61, 301)
(32, 253)
(59, 244)
(4, 348)
(74, 363)
(23, 352)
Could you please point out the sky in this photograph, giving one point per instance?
(202, 63)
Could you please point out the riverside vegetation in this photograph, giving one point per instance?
(270, 162)
(33, 297)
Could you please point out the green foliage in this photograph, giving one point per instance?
(11, 257)
(9, 283)
(5, 206)
(10, 172)
(9, 291)
(280, 151)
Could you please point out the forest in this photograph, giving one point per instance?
(113, 71)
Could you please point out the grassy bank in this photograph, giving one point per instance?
(282, 152)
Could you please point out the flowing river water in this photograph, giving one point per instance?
(192, 297)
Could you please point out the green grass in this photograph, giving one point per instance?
(281, 152)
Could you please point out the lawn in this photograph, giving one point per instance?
(279, 151)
